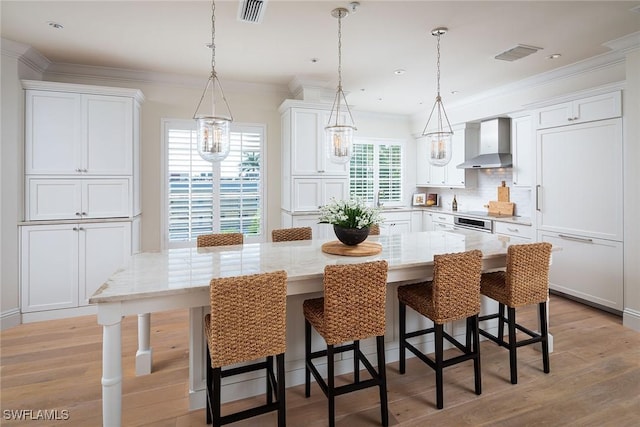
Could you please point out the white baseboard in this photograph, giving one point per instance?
(631, 319)
(10, 319)
(63, 313)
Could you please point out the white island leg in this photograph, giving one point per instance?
(111, 372)
(144, 353)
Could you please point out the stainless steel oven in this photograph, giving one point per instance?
(471, 223)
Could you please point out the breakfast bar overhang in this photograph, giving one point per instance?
(179, 278)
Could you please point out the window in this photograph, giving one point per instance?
(202, 197)
(376, 168)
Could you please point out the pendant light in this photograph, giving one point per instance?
(214, 129)
(339, 135)
(440, 138)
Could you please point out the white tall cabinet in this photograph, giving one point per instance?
(579, 199)
(309, 179)
(82, 181)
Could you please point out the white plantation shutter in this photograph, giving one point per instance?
(207, 198)
(376, 166)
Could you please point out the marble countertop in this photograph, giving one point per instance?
(180, 270)
(522, 220)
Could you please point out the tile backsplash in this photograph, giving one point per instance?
(475, 199)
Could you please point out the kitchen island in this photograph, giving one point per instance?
(179, 278)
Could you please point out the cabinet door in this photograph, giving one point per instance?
(427, 221)
(104, 248)
(304, 132)
(590, 269)
(53, 133)
(337, 188)
(49, 267)
(108, 133)
(456, 177)
(307, 194)
(523, 151)
(597, 107)
(106, 198)
(580, 179)
(554, 115)
(50, 199)
(423, 167)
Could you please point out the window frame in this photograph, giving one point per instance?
(377, 142)
(187, 124)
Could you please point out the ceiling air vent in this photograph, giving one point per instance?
(251, 11)
(518, 52)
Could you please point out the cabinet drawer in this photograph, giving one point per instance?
(515, 230)
(442, 218)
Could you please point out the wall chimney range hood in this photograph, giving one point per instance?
(495, 146)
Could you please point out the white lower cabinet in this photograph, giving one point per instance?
(513, 230)
(62, 265)
(587, 268)
(395, 223)
(441, 222)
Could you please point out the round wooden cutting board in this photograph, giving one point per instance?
(363, 249)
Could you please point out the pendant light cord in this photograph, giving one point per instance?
(438, 65)
(340, 52)
(213, 39)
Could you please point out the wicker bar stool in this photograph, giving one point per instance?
(247, 322)
(290, 234)
(525, 281)
(352, 309)
(453, 294)
(220, 239)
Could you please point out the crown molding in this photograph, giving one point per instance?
(625, 44)
(25, 54)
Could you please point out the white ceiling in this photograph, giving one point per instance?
(382, 36)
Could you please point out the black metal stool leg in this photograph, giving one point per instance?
(382, 372)
(331, 386)
(282, 413)
(217, 386)
(544, 333)
(476, 350)
(209, 377)
(501, 321)
(356, 361)
(307, 353)
(402, 314)
(513, 345)
(439, 350)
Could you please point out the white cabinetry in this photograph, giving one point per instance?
(513, 230)
(587, 268)
(309, 179)
(579, 203)
(582, 110)
(72, 133)
(523, 151)
(51, 199)
(82, 153)
(442, 222)
(310, 194)
(62, 265)
(395, 222)
(465, 145)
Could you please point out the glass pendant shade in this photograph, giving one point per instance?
(440, 145)
(213, 130)
(339, 134)
(214, 138)
(339, 141)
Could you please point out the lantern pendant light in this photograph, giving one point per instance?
(440, 138)
(338, 134)
(214, 129)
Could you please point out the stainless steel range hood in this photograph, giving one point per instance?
(495, 146)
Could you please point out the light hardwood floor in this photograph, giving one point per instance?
(594, 379)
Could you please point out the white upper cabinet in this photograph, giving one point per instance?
(72, 134)
(523, 151)
(308, 148)
(465, 142)
(597, 107)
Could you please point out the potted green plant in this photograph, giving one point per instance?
(351, 219)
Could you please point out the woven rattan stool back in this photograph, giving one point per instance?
(248, 315)
(456, 285)
(527, 275)
(290, 234)
(220, 239)
(354, 301)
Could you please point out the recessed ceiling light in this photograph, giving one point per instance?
(314, 60)
(399, 72)
(55, 25)
(379, 99)
(455, 92)
(554, 56)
